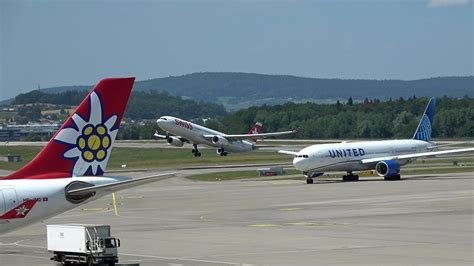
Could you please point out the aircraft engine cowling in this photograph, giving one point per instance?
(174, 141)
(389, 168)
(219, 140)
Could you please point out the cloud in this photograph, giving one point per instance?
(448, 3)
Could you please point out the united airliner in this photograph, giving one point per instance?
(385, 156)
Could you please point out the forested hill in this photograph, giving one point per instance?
(141, 105)
(254, 89)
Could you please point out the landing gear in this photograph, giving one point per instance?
(309, 178)
(195, 151)
(221, 152)
(350, 177)
(390, 178)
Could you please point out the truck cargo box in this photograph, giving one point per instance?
(74, 237)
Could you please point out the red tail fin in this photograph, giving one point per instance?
(19, 211)
(83, 144)
(255, 129)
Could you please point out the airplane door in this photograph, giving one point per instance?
(10, 199)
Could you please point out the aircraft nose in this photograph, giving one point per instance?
(161, 120)
(298, 163)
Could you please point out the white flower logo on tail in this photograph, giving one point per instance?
(91, 141)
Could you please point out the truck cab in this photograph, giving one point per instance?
(105, 247)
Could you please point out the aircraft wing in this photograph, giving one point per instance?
(415, 155)
(252, 136)
(165, 137)
(113, 187)
(294, 153)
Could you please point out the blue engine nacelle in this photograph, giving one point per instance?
(389, 168)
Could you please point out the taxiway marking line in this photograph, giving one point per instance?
(183, 259)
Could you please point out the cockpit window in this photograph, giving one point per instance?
(164, 118)
(302, 156)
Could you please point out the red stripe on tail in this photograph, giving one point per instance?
(83, 144)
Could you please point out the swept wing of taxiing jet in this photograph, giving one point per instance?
(385, 156)
(69, 170)
(184, 131)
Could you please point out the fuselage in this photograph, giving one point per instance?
(348, 156)
(195, 134)
(50, 195)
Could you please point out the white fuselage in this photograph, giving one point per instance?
(49, 193)
(195, 134)
(347, 156)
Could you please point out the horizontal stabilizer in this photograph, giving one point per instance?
(113, 187)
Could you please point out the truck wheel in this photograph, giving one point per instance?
(90, 261)
(63, 260)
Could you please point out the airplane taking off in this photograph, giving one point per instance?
(69, 170)
(384, 156)
(185, 131)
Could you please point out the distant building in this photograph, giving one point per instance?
(9, 134)
(19, 132)
(10, 158)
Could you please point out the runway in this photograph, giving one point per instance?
(420, 220)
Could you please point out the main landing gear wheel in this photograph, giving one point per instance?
(195, 151)
(222, 152)
(350, 177)
(309, 180)
(391, 178)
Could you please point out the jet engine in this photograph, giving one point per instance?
(174, 141)
(388, 169)
(219, 140)
(76, 199)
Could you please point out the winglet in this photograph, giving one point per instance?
(423, 131)
(19, 211)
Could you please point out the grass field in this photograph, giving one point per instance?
(4, 115)
(136, 158)
(154, 158)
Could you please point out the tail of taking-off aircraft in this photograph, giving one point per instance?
(255, 129)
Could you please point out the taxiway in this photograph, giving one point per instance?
(420, 220)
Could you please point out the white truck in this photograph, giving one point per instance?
(82, 243)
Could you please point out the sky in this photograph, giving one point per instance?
(59, 43)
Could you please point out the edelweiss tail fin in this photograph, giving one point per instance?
(423, 132)
(83, 144)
